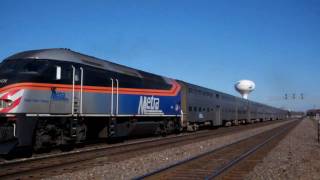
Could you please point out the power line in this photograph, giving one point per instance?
(294, 96)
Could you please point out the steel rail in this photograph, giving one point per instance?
(228, 165)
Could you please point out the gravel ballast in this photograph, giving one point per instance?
(145, 163)
(297, 156)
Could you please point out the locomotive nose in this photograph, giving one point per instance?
(9, 100)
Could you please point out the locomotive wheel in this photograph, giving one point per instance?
(178, 128)
(164, 132)
(39, 140)
(163, 129)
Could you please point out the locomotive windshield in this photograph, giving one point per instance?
(31, 66)
(24, 70)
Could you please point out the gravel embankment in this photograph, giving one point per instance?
(297, 156)
(149, 162)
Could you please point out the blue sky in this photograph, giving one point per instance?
(212, 43)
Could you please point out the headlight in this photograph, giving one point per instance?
(4, 103)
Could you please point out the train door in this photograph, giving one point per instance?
(218, 115)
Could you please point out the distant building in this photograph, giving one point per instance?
(313, 112)
(296, 114)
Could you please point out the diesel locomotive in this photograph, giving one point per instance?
(60, 98)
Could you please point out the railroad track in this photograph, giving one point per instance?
(233, 161)
(55, 164)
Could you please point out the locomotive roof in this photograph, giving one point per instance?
(63, 54)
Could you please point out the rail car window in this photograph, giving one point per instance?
(190, 108)
(195, 109)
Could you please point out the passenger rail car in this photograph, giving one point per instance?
(58, 97)
(206, 106)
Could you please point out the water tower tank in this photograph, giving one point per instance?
(245, 87)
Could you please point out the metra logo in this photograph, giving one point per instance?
(149, 106)
(2, 81)
(58, 96)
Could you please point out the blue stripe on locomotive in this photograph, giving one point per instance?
(149, 105)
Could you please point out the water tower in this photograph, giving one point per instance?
(244, 87)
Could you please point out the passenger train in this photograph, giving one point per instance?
(60, 98)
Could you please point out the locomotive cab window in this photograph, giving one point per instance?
(34, 66)
(22, 66)
(60, 72)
